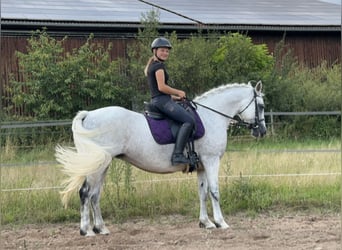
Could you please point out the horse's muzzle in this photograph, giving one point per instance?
(259, 130)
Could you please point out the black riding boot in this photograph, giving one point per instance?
(182, 138)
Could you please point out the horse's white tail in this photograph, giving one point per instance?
(88, 157)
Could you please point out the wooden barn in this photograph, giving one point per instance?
(311, 28)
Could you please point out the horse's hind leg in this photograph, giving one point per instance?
(90, 195)
(99, 226)
(85, 228)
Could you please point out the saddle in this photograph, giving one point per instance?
(164, 130)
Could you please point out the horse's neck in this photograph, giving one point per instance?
(227, 101)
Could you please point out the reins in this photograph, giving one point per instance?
(238, 121)
(213, 110)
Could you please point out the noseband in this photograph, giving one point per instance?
(257, 120)
(240, 122)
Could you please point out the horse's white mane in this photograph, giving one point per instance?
(221, 89)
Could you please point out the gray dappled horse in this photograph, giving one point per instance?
(104, 133)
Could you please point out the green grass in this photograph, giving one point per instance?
(279, 143)
(129, 192)
(260, 196)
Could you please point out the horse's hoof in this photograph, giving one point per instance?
(222, 225)
(104, 230)
(90, 233)
(87, 233)
(207, 225)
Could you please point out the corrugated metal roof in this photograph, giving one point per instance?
(80, 10)
(213, 12)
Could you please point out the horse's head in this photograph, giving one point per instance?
(253, 112)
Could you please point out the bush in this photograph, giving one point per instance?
(237, 59)
(139, 53)
(56, 84)
(190, 65)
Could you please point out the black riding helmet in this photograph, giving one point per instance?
(161, 42)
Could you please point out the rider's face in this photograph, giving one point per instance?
(163, 53)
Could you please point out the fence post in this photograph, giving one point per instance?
(272, 128)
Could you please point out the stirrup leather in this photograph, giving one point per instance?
(192, 155)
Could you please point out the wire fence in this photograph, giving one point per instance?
(54, 123)
(35, 162)
(184, 179)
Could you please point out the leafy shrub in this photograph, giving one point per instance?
(138, 54)
(190, 65)
(237, 59)
(56, 84)
(199, 63)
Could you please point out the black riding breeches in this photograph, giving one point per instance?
(173, 110)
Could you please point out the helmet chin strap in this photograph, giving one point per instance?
(155, 54)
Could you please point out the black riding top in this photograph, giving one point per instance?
(152, 80)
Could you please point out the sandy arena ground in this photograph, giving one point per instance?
(314, 232)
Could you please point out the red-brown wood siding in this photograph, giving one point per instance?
(309, 48)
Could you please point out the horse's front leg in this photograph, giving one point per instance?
(203, 196)
(211, 167)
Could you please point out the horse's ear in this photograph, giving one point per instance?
(258, 87)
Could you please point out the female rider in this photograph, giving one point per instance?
(163, 97)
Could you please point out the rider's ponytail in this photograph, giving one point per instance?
(147, 65)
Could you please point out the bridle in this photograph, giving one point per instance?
(240, 122)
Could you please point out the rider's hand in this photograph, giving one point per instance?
(181, 94)
(176, 98)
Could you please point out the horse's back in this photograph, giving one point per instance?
(110, 112)
(108, 116)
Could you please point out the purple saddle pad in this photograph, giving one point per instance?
(161, 130)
